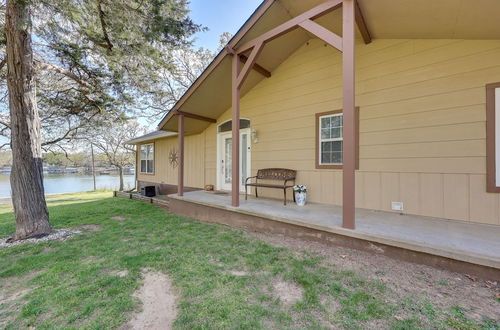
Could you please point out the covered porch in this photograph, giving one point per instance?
(254, 55)
(460, 246)
(278, 29)
(245, 50)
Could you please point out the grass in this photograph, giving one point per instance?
(73, 283)
(443, 282)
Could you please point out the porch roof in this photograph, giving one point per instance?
(210, 95)
(150, 137)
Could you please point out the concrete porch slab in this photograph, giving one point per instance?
(467, 242)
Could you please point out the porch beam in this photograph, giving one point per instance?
(235, 108)
(193, 116)
(324, 34)
(349, 138)
(263, 71)
(180, 178)
(363, 28)
(245, 71)
(292, 24)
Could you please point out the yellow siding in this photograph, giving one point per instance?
(194, 162)
(422, 125)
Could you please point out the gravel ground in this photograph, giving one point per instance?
(56, 235)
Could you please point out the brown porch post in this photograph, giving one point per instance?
(349, 144)
(180, 185)
(235, 156)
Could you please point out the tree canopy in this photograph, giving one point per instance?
(98, 61)
(84, 64)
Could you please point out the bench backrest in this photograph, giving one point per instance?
(276, 174)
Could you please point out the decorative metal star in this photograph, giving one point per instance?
(173, 158)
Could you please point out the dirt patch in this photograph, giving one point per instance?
(443, 288)
(12, 292)
(55, 235)
(10, 301)
(91, 227)
(288, 292)
(12, 296)
(159, 305)
(238, 273)
(119, 273)
(216, 262)
(91, 260)
(119, 218)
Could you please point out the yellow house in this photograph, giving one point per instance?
(415, 123)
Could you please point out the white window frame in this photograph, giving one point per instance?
(493, 137)
(321, 140)
(148, 158)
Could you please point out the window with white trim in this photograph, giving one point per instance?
(148, 158)
(228, 125)
(330, 139)
(493, 137)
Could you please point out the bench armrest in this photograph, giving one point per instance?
(251, 177)
(289, 180)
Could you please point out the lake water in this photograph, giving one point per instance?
(67, 183)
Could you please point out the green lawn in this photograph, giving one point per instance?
(74, 283)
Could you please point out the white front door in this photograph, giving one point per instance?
(224, 167)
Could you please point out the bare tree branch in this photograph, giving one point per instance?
(3, 62)
(4, 123)
(47, 66)
(74, 129)
(103, 25)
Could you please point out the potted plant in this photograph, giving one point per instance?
(300, 194)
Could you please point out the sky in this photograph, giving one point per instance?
(220, 16)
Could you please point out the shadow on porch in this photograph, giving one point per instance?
(380, 232)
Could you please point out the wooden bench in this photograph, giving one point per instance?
(272, 174)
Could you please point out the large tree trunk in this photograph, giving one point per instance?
(120, 170)
(26, 179)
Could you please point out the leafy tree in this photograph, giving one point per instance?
(62, 159)
(93, 61)
(187, 65)
(5, 158)
(110, 141)
(224, 39)
(57, 159)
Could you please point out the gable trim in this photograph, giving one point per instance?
(261, 10)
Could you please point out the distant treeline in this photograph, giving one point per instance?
(79, 159)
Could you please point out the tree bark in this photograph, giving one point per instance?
(26, 179)
(93, 165)
(3, 62)
(120, 170)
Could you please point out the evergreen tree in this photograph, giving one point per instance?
(84, 63)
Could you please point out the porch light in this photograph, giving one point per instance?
(255, 138)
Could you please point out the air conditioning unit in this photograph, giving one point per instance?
(148, 191)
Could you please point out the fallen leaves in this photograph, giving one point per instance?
(470, 277)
